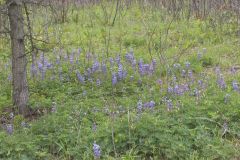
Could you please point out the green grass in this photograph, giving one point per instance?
(194, 131)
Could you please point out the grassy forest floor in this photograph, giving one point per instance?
(147, 85)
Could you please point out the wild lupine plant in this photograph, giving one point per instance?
(235, 85)
(128, 69)
(9, 128)
(89, 71)
(96, 151)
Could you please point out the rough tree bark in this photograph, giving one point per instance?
(19, 60)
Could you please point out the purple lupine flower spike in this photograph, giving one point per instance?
(96, 151)
(111, 62)
(33, 70)
(120, 71)
(159, 81)
(114, 79)
(95, 66)
(94, 127)
(134, 64)
(146, 105)
(235, 85)
(81, 79)
(104, 68)
(221, 83)
(169, 105)
(71, 58)
(129, 57)
(170, 89)
(9, 77)
(118, 59)
(151, 104)
(187, 64)
(9, 128)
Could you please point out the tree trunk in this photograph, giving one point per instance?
(19, 60)
(1, 23)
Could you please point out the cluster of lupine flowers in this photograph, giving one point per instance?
(180, 79)
(99, 70)
(96, 151)
(146, 105)
(92, 68)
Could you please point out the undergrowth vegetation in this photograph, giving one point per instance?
(150, 86)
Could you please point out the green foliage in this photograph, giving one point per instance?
(194, 131)
(2, 2)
